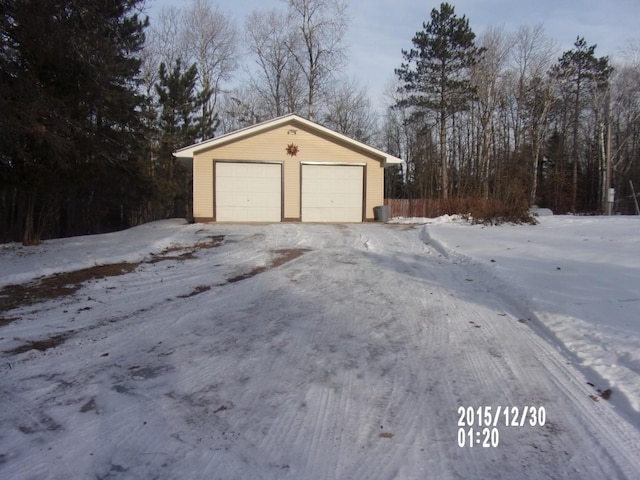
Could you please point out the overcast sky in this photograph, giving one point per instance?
(380, 29)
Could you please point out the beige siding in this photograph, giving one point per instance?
(291, 188)
(202, 188)
(375, 189)
(270, 146)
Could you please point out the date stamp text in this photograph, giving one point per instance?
(480, 426)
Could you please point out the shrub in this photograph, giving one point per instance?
(476, 210)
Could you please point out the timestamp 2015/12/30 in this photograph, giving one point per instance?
(478, 426)
(492, 417)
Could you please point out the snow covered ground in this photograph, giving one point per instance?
(579, 277)
(324, 352)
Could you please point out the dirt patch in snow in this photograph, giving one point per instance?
(40, 345)
(188, 251)
(196, 291)
(7, 320)
(56, 286)
(67, 283)
(280, 257)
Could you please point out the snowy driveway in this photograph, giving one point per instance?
(294, 351)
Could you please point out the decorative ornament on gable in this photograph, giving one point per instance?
(292, 149)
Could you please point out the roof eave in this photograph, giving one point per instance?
(389, 161)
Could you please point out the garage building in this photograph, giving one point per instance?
(286, 169)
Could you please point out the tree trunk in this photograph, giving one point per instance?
(30, 234)
(444, 177)
(576, 116)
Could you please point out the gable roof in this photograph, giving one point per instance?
(191, 150)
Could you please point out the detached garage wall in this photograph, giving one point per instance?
(202, 189)
(270, 146)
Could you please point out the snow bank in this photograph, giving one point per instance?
(20, 264)
(424, 220)
(541, 212)
(579, 276)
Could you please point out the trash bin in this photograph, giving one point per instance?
(381, 213)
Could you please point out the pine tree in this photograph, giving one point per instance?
(582, 76)
(70, 107)
(180, 124)
(436, 73)
(177, 99)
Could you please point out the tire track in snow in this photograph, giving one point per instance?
(400, 404)
(337, 397)
(473, 344)
(370, 329)
(306, 423)
(318, 429)
(597, 420)
(621, 440)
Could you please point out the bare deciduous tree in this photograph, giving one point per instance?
(163, 45)
(349, 111)
(532, 56)
(317, 43)
(199, 34)
(210, 39)
(487, 76)
(278, 78)
(242, 107)
(631, 53)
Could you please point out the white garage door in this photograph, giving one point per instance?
(248, 192)
(332, 193)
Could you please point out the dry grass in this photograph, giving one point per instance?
(478, 210)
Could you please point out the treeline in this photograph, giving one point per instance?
(72, 121)
(95, 99)
(503, 117)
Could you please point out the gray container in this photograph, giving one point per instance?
(381, 213)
